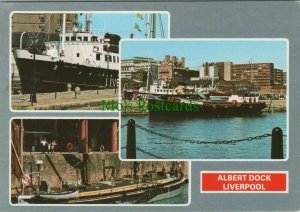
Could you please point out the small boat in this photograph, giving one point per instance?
(47, 198)
(60, 196)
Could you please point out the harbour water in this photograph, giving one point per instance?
(206, 129)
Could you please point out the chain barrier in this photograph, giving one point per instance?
(123, 125)
(233, 141)
(145, 152)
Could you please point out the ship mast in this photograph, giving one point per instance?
(88, 23)
(147, 26)
(153, 25)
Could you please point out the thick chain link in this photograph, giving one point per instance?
(233, 141)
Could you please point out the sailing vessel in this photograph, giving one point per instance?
(123, 191)
(79, 59)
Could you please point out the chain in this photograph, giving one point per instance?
(145, 152)
(233, 141)
(123, 125)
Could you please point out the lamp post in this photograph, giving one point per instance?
(39, 163)
(34, 79)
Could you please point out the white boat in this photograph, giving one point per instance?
(79, 59)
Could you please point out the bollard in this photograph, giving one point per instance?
(277, 144)
(131, 140)
(77, 91)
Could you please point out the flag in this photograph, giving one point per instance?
(137, 27)
(139, 15)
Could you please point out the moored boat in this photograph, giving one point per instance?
(126, 191)
(79, 59)
(233, 106)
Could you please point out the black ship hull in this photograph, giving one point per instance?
(137, 195)
(46, 76)
(204, 109)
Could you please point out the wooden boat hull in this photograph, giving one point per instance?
(134, 195)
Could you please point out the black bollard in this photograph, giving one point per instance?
(277, 144)
(131, 140)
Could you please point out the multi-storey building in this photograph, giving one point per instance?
(278, 77)
(167, 68)
(284, 78)
(261, 74)
(258, 73)
(136, 64)
(224, 70)
(209, 71)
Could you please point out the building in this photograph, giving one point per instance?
(209, 71)
(278, 77)
(136, 64)
(168, 67)
(224, 70)
(43, 25)
(284, 79)
(261, 74)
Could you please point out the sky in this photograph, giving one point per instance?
(123, 24)
(196, 52)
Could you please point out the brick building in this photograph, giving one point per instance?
(168, 67)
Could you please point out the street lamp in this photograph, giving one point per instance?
(34, 79)
(39, 163)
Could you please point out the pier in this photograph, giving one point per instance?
(84, 100)
(278, 105)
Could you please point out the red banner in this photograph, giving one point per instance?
(244, 182)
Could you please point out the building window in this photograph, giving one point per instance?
(73, 38)
(67, 38)
(98, 56)
(42, 19)
(85, 38)
(114, 59)
(78, 54)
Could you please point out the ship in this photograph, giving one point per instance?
(78, 59)
(234, 105)
(124, 191)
